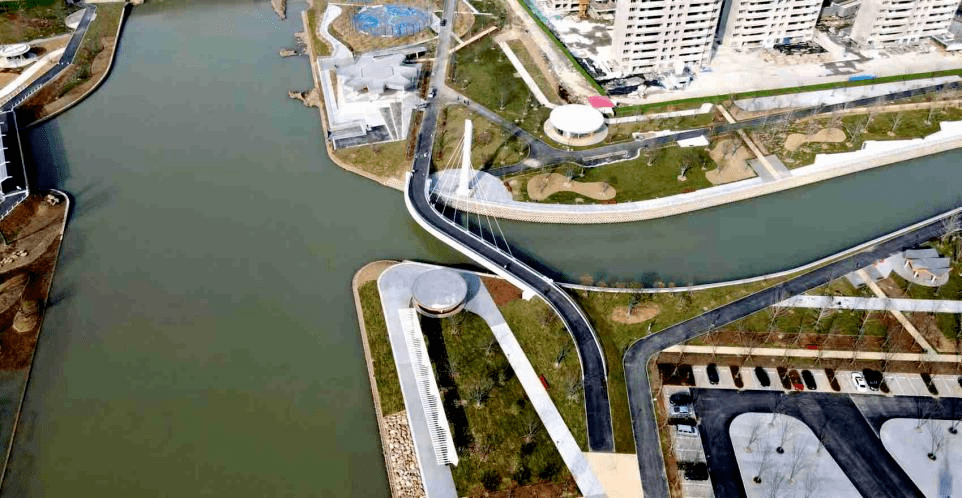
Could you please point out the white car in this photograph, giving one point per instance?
(686, 430)
(858, 380)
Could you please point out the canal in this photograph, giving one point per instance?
(202, 337)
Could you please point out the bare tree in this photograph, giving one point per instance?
(799, 462)
(573, 387)
(810, 485)
(754, 435)
(937, 439)
(490, 347)
(950, 225)
(775, 485)
(562, 354)
(763, 464)
(479, 392)
(895, 122)
(530, 428)
(785, 432)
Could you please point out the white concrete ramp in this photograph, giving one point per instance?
(873, 304)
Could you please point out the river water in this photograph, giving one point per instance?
(202, 338)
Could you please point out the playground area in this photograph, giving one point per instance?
(391, 20)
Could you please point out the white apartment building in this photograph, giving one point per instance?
(766, 23)
(880, 23)
(656, 37)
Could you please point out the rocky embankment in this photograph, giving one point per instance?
(280, 8)
(405, 475)
(311, 98)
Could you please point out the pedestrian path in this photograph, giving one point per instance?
(873, 304)
(525, 75)
(763, 167)
(395, 286)
(909, 327)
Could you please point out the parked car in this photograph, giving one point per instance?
(712, 371)
(737, 376)
(809, 380)
(796, 380)
(694, 471)
(686, 430)
(783, 377)
(858, 380)
(444, 22)
(762, 377)
(680, 398)
(832, 381)
(873, 378)
(681, 411)
(927, 379)
(960, 381)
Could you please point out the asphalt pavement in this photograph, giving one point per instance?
(650, 462)
(834, 418)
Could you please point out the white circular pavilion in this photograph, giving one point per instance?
(576, 124)
(439, 293)
(16, 55)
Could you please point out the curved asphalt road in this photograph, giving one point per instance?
(598, 412)
(639, 354)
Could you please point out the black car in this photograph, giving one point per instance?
(712, 374)
(873, 378)
(762, 377)
(960, 381)
(809, 380)
(680, 398)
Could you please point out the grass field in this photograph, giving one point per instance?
(385, 373)
(483, 73)
(491, 146)
(652, 175)
(25, 20)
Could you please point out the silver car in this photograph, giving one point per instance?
(858, 380)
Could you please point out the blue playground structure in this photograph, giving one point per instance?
(391, 20)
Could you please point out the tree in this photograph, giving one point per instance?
(895, 122)
(763, 464)
(785, 433)
(754, 435)
(530, 428)
(478, 392)
(811, 482)
(562, 354)
(799, 462)
(937, 440)
(573, 387)
(775, 485)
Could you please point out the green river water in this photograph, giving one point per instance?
(202, 338)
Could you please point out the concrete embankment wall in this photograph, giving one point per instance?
(701, 199)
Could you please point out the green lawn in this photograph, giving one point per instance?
(103, 26)
(24, 20)
(491, 146)
(521, 51)
(501, 441)
(858, 128)
(385, 373)
(617, 337)
(483, 73)
(635, 180)
(314, 14)
(545, 340)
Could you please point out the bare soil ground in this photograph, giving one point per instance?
(824, 135)
(542, 186)
(501, 290)
(640, 313)
(33, 227)
(731, 156)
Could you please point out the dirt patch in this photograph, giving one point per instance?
(501, 290)
(924, 322)
(33, 227)
(825, 135)
(731, 156)
(640, 313)
(542, 186)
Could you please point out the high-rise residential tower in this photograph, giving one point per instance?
(766, 23)
(880, 23)
(655, 37)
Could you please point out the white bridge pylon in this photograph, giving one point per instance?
(467, 172)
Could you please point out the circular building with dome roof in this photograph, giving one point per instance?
(576, 124)
(439, 293)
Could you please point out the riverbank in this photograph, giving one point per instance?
(396, 442)
(834, 166)
(396, 183)
(33, 236)
(90, 68)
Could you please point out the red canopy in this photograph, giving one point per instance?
(599, 102)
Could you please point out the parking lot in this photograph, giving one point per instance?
(899, 384)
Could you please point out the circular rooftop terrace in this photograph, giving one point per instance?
(439, 293)
(576, 124)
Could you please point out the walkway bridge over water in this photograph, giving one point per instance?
(419, 204)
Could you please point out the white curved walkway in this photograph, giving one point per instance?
(873, 304)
